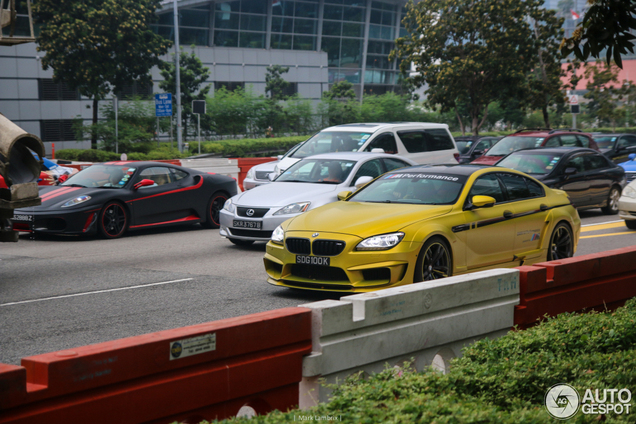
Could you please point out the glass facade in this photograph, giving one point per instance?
(338, 27)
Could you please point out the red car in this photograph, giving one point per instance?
(533, 138)
(44, 180)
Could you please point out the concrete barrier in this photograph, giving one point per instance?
(245, 164)
(208, 371)
(598, 281)
(429, 322)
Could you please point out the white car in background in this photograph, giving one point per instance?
(425, 143)
(627, 205)
(312, 182)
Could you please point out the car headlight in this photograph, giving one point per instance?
(293, 208)
(250, 173)
(229, 206)
(381, 242)
(629, 192)
(278, 235)
(76, 201)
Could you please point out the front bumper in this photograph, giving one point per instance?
(627, 208)
(268, 225)
(62, 222)
(349, 271)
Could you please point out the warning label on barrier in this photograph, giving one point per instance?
(193, 346)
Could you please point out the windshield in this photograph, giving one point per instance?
(531, 162)
(463, 146)
(325, 171)
(513, 143)
(331, 141)
(605, 142)
(413, 188)
(106, 176)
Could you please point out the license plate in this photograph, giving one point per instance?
(254, 225)
(22, 218)
(313, 260)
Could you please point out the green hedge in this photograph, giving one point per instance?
(224, 148)
(496, 381)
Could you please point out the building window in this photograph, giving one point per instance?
(49, 90)
(57, 130)
(135, 90)
(228, 85)
(294, 25)
(291, 89)
(194, 25)
(240, 23)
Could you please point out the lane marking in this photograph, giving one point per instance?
(141, 286)
(603, 235)
(602, 226)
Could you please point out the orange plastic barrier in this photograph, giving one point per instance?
(207, 371)
(598, 281)
(245, 164)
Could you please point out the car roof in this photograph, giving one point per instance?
(377, 126)
(549, 150)
(544, 132)
(464, 169)
(611, 134)
(356, 156)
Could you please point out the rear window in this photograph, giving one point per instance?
(429, 140)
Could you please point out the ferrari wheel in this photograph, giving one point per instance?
(213, 214)
(612, 202)
(240, 242)
(113, 221)
(561, 243)
(434, 261)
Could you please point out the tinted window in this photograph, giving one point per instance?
(627, 141)
(553, 142)
(584, 141)
(391, 164)
(385, 141)
(518, 187)
(487, 185)
(372, 168)
(605, 142)
(593, 162)
(536, 190)
(531, 162)
(177, 174)
(576, 162)
(426, 140)
(570, 141)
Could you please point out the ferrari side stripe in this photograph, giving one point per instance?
(186, 219)
(194, 187)
(50, 195)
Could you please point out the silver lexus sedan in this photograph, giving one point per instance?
(314, 181)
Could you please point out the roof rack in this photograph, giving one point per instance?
(565, 129)
(533, 129)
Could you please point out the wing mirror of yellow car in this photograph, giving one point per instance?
(482, 202)
(344, 194)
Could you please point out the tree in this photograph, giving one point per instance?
(192, 75)
(96, 45)
(607, 25)
(544, 88)
(469, 52)
(275, 85)
(340, 90)
(602, 94)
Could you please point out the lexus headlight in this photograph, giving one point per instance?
(381, 242)
(76, 201)
(629, 192)
(229, 206)
(293, 208)
(278, 235)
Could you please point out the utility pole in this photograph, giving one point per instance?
(178, 75)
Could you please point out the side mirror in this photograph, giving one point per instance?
(482, 202)
(143, 183)
(271, 176)
(570, 171)
(377, 150)
(632, 156)
(344, 194)
(362, 181)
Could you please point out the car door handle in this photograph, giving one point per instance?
(543, 207)
(507, 214)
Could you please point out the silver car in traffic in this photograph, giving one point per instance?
(312, 182)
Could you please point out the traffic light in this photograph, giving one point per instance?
(20, 171)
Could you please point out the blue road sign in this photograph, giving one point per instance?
(163, 104)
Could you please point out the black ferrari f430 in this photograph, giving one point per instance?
(114, 197)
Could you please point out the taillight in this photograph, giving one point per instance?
(456, 155)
